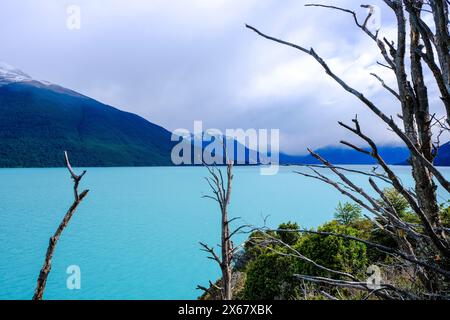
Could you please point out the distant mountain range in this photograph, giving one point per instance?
(39, 120)
(391, 154)
(336, 155)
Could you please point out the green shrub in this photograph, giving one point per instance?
(347, 213)
(257, 244)
(333, 252)
(288, 237)
(269, 276)
(400, 205)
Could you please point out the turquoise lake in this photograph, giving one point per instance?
(136, 235)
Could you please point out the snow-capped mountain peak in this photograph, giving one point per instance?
(12, 75)
(9, 74)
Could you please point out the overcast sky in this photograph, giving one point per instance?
(176, 61)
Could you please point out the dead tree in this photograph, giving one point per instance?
(78, 198)
(426, 246)
(222, 195)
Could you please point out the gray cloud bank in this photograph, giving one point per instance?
(176, 61)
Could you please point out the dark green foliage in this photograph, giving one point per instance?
(333, 252)
(268, 277)
(271, 267)
(402, 208)
(38, 123)
(288, 237)
(257, 244)
(398, 201)
(347, 213)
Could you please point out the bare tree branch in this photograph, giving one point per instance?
(388, 120)
(43, 275)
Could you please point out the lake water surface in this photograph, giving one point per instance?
(136, 234)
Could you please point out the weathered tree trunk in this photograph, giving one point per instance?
(227, 249)
(46, 268)
(222, 195)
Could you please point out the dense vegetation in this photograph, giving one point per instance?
(271, 259)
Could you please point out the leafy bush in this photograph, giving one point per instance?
(270, 276)
(271, 272)
(271, 266)
(257, 244)
(289, 237)
(400, 205)
(347, 213)
(333, 252)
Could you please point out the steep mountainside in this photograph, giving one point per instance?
(38, 121)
